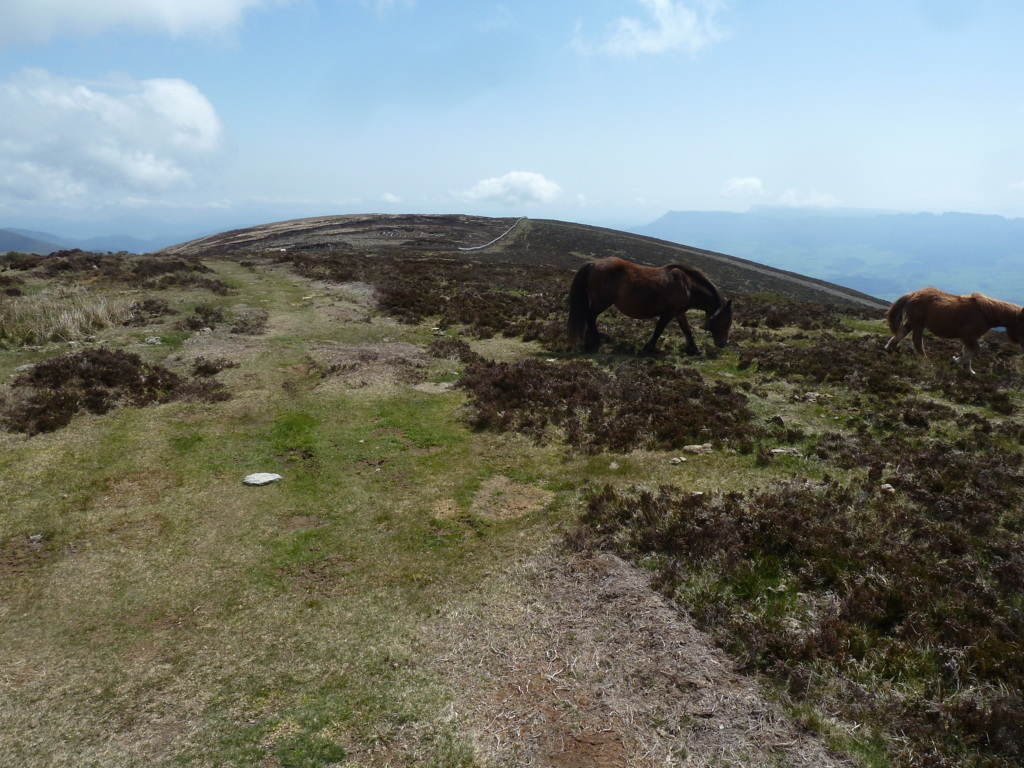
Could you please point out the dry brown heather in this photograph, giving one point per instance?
(444, 576)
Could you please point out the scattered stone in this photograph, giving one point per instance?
(614, 465)
(785, 452)
(888, 488)
(705, 448)
(154, 340)
(811, 397)
(677, 460)
(262, 478)
(777, 421)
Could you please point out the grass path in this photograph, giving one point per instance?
(393, 601)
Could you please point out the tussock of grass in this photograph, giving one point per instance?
(59, 316)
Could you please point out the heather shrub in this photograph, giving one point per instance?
(910, 598)
(641, 404)
(48, 396)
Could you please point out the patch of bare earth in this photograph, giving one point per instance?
(372, 365)
(580, 664)
(502, 498)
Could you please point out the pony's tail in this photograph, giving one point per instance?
(896, 314)
(579, 304)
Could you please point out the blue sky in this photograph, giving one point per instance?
(232, 112)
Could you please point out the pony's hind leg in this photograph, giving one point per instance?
(918, 339)
(592, 336)
(897, 337)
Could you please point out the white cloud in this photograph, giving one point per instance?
(749, 186)
(42, 20)
(812, 199)
(672, 25)
(390, 198)
(515, 188)
(64, 139)
(1018, 186)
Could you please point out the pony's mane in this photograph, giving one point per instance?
(994, 308)
(700, 278)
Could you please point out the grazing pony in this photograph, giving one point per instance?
(952, 317)
(644, 293)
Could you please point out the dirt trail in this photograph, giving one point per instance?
(571, 661)
(580, 664)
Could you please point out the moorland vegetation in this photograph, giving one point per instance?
(852, 531)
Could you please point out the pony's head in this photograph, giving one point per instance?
(718, 324)
(1015, 329)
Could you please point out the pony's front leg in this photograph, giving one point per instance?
(652, 342)
(691, 345)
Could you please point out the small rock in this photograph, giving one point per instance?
(887, 488)
(154, 340)
(677, 460)
(777, 421)
(262, 478)
(785, 451)
(613, 465)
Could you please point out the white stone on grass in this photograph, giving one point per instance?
(261, 478)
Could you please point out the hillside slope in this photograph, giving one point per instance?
(554, 243)
(16, 241)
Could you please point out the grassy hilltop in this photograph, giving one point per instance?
(488, 549)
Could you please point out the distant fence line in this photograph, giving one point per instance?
(487, 245)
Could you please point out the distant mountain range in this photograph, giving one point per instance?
(28, 241)
(882, 254)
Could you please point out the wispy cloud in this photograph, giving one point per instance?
(670, 25)
(515, 188)
(747, 186)
(63, 139)
(42, 20)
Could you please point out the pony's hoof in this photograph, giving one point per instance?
(693, 352)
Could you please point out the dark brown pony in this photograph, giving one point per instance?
(948, 316)
(644, 293)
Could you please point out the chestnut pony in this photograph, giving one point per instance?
(949, 316)
(644, 293)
